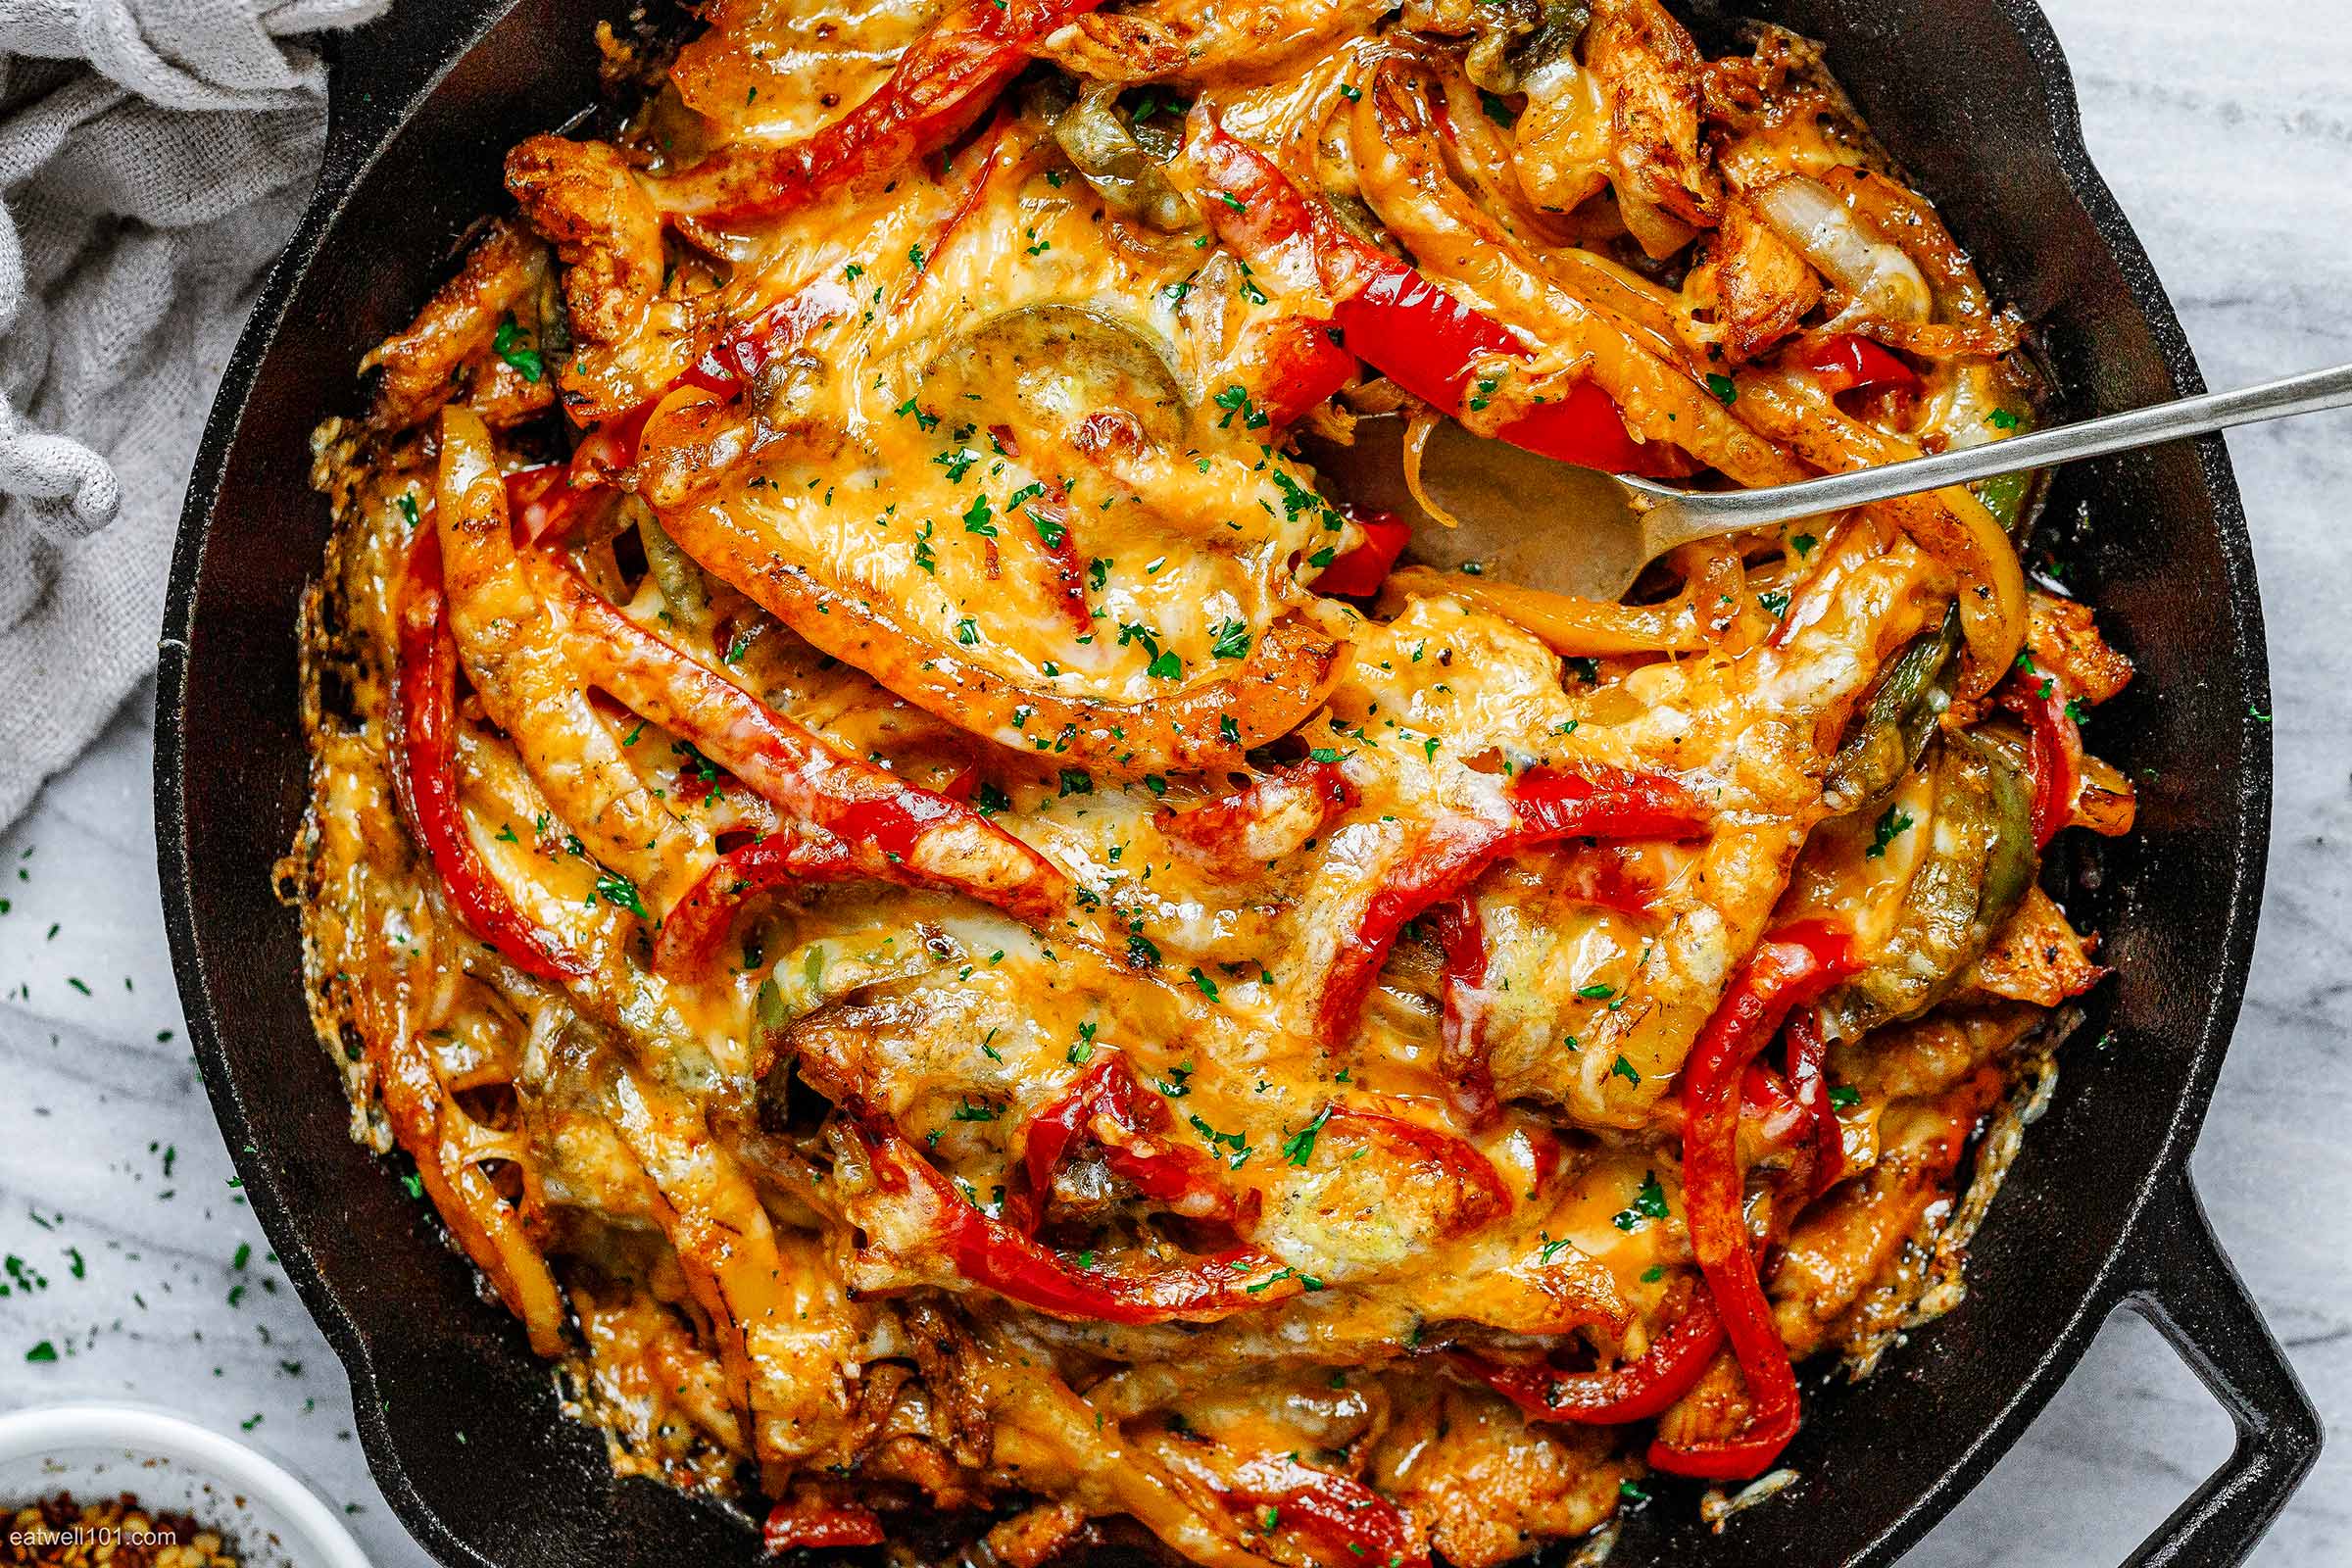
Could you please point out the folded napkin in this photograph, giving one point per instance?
(154, 156)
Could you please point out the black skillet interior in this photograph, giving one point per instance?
(1972, 96)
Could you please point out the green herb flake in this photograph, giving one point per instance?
(618, 890)
(1649, 1202)
(1299, 1147)
(512, 345)
(1892, 821)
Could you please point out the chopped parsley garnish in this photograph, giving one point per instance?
(1725, 393)
(967, 1111)
(1209, 987)
(1233, 640)
(1299, 1147)
(1497, 111)
(1649, 1202)
(976, 518)
(1239, 1142)
(1077, 781)
(512, 345)
(1845, 1097)
(617, 889)
(1625, 1071)
(1892, 821)
(1234, 400)
(2002, 419)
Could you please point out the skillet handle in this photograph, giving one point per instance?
(2192, 1296)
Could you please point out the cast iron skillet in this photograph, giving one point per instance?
(2099, 1213)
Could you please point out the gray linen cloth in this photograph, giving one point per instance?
(154, 156)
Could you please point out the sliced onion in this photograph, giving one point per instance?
(1883, 282)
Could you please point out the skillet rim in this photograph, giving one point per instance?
(2123, 1273)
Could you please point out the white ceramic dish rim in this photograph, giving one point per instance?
(56, 1430)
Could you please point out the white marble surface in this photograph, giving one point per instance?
(2224, 132)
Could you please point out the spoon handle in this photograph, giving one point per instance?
(2308, 393)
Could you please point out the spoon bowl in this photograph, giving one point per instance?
(1589, 535)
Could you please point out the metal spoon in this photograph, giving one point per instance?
(1512, 505)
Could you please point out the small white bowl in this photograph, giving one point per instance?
(172, 1466)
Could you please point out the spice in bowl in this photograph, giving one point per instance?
(118, 1532)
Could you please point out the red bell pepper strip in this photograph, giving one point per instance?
(1051, 520)
(1598, 802)
(944, 235)
(1461, 1039)
(1337, 1512)
(1389, 316)
(1484, 1197)
(944, 80)
(2053, 752)
(542, 501)
(888, 829)
(1610, 880)
(1545, 804)
(992, 1254)
(1791, 968)
(1359, 571)
(1294, 362)
(547, 499)
(1283, 809)
(1635, 1391)
(1810, 1084)
(1845, 362)
(424, 775)
(732, 362)
(1770, 1105)
(691, 932)
(1106, 1109)
(810, 1525)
